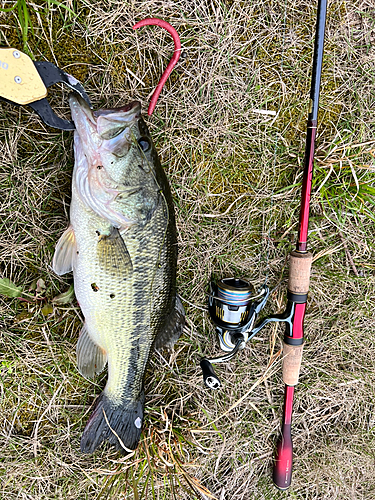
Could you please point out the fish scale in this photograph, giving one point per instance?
(112, 314)
(124, 265)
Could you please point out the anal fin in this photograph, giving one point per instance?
(172, 328)
(91, 359)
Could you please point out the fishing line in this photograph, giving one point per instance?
(233, 303)
(268, 249)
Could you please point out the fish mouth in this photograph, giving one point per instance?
(80, 110)
(105, 122)
(134, 107)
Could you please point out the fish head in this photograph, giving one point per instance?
(116, 139)
(114, 157)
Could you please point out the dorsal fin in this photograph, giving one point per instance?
(172, 328)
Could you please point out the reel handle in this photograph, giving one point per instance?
(210, 378)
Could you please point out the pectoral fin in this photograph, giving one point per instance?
(91, 358)
(113, 255)
(172, 328)
(65, 253)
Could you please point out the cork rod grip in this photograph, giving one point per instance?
(291, 363)
(299, 272)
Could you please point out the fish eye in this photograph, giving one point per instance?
(144, 144)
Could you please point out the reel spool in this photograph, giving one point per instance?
(233, 306)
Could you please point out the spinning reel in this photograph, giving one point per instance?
(233, 305)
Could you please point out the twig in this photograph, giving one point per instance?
(228, 209)
(131, 452)
(35, 436)
(348, 255)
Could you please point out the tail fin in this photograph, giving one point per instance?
(120, 425)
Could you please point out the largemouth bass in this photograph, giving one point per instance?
(121, 246)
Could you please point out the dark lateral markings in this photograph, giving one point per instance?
(95, 287)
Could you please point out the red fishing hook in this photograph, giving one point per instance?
(154, 21)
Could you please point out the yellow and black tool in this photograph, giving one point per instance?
(24, 82)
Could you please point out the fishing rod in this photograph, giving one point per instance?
(299, 270)
(234, 304)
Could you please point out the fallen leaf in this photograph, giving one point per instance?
(47, 309)
(65, 297)
(9, 289)
(40, 286)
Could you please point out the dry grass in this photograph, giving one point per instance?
(235, 175)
